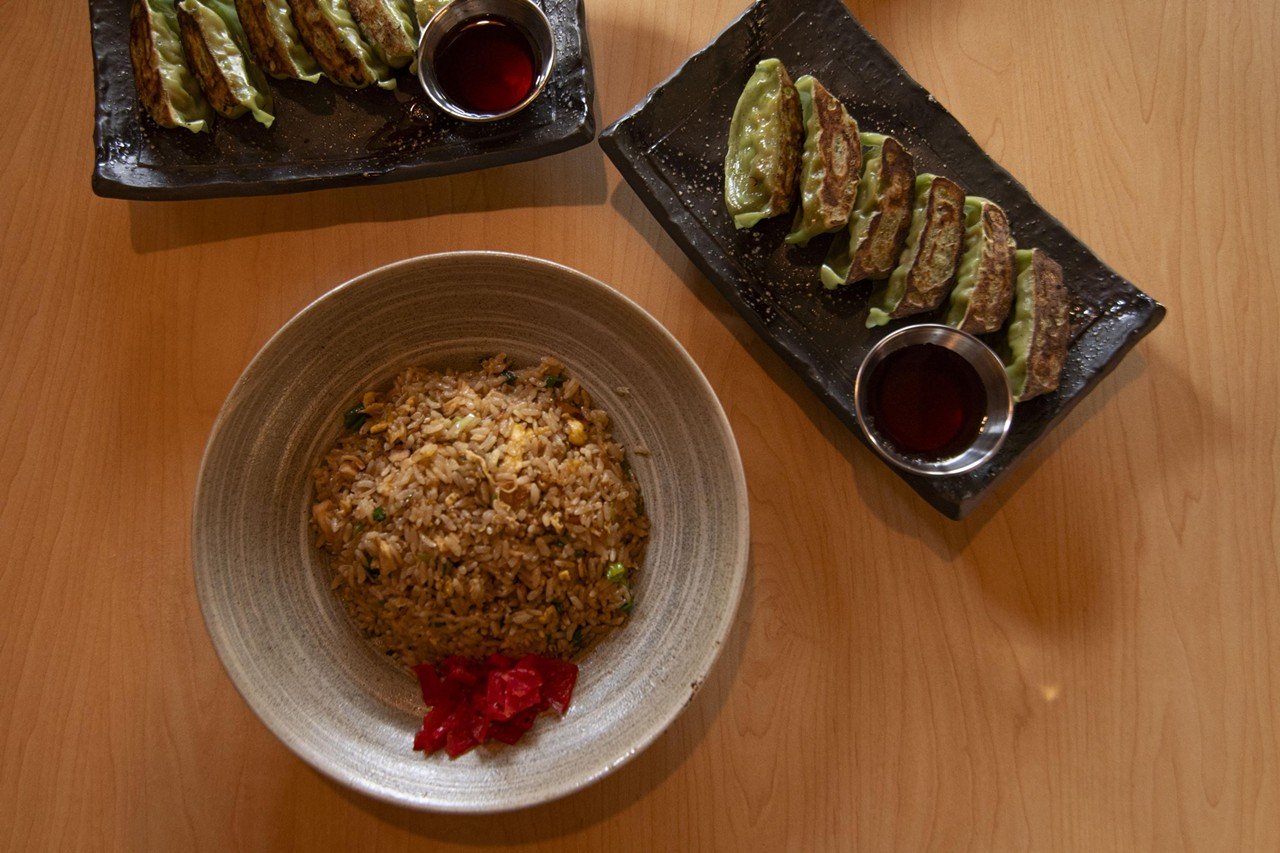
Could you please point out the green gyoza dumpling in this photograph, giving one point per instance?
(218, 51)
(1039, 333)
(334, 39)
(425, 10)
(390, 26)
(927, 266)
(763, 160)
(830, 164)
(984, 282)
(167, 88)
(870, 246)
(274, 40)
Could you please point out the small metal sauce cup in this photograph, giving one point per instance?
(523, 13)
(995, 383)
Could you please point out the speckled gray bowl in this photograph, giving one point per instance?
(286, 641)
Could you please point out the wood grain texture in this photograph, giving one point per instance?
(1090, 662)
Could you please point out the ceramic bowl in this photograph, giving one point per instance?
(286, 641)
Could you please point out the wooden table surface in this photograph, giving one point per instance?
(1089, 662)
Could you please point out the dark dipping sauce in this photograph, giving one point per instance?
(486, 65)
(927, 401)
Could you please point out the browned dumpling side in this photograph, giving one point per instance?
(389, 26)
(983, 293)
(168, 90)
(927, 266)
(334, 39)
(1039, 333)
(830, 164)
(274, 40)
(881, 217)
(216, 47)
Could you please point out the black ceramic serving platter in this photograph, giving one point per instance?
(671, 147)
(324, 135)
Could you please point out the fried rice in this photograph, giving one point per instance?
(470, 512)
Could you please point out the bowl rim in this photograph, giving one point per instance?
(709, 656)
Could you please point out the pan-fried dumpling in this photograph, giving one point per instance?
(274, 40)
(927, 266)
(219, 55)
(830, 164)
(167, 88)
(984, 282)
(1039, 331)
(881, 215)
(389, 26)
(763, 160)
(331, 34)
(425, 10)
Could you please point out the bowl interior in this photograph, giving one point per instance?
(264, 589)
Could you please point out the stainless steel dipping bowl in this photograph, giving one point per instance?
(995, 383)
(522, 13)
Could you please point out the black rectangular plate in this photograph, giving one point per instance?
(670, 148)
(324, 135)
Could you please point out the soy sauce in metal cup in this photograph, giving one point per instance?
(482, 60)
(933, 400)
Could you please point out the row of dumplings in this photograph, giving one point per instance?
(192, 58)
(919, 235)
